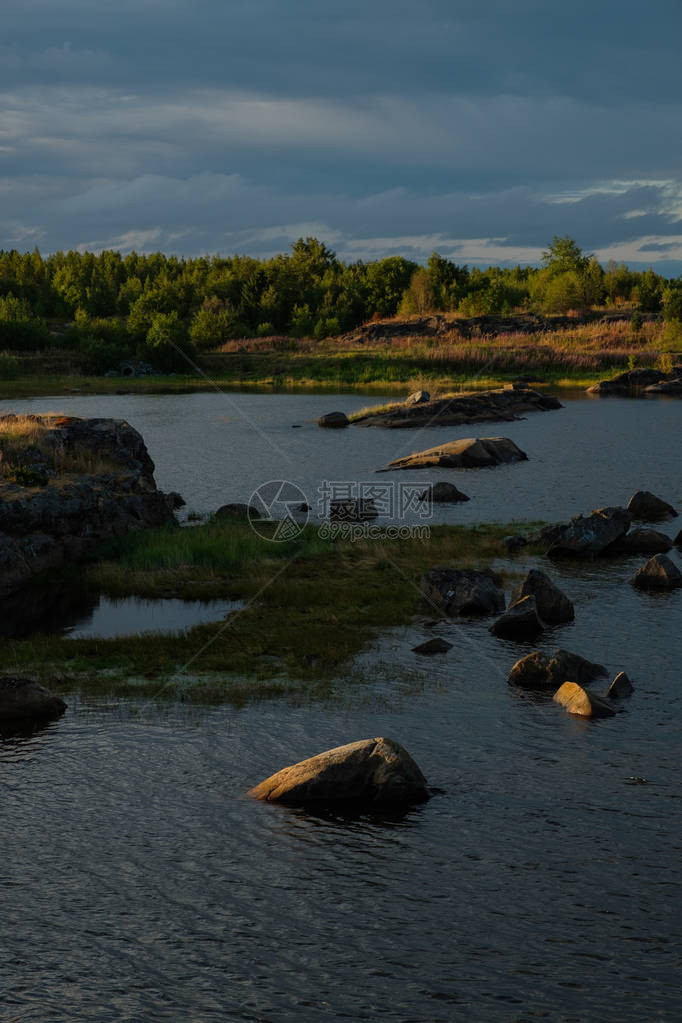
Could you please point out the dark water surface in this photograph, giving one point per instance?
(139, 884)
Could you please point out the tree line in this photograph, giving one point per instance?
(152, 305)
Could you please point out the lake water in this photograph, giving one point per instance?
(138, 883)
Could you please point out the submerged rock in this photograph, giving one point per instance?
(23, 699)
(443, 493)
(553, 606)
(659, 573)
(433, 646)
(620, 687)
(462, 591)
(468, 453)
(538, 671)
(370, 772)
(520, 621)
(334, 421)
(647, 507)
(582, 702)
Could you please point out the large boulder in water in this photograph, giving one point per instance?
(538, 671)
(641, 541)
(581, 702)
(462, 591)
(468, 453)
(372, 772)
(631, 380)
(334, 421)
(553, 606)
(646, 506)
(659, 573)
(23, 699)
(587, 536)
(520, 621)
(620, 687)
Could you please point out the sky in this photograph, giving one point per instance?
(476, 128)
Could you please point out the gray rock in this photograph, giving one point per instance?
(468, 453)
(632, 380)
(23, 699)
(553, 606)
(375, 772)
(443, 493)
(659, 573)
(418, 398)
(520, 621)
(641, 541)
(538, 671)
(587, 536)
(334, 421)
(673, 386)
(620, 687)
(433, 646)
(462, 591)
(647, 507)
(581, 702)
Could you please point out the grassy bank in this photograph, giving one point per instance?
(310, 606)
(567, 357)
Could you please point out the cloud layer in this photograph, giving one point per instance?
(477, 130)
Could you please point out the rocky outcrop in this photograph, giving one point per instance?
(673, 385)
(587, 536)
(43, 526)
(538, 671)
(334, 421)
(500, 405)
(443, 493)
(647, 507)
(519, 622)
(620, 687)
(581, 702)
(468, 453)
(21, 699)
(374, 772)
(462, 591)
(659, 573)
(633, 381)
(553, 606)
(418, 398)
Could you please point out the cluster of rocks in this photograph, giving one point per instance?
(635, 382)
(606, 532)
(42, 527)
(567, 676)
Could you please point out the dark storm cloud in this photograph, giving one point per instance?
(480, 129)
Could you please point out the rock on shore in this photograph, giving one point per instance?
(375, 772)
(44, 526)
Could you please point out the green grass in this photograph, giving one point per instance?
(310, 607)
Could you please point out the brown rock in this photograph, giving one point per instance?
(520, 621)
(566, 666)
(468, 453)
(23, 699)
(371, 771)
(582, 702)
(620, 687)
(553, 606)
(538, 671)
(659, 573)
(647, 507)
(334, 421)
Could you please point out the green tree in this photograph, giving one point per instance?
(564, 255)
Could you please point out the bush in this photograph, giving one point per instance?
(9, 366)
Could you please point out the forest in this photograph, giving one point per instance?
(110, 306)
